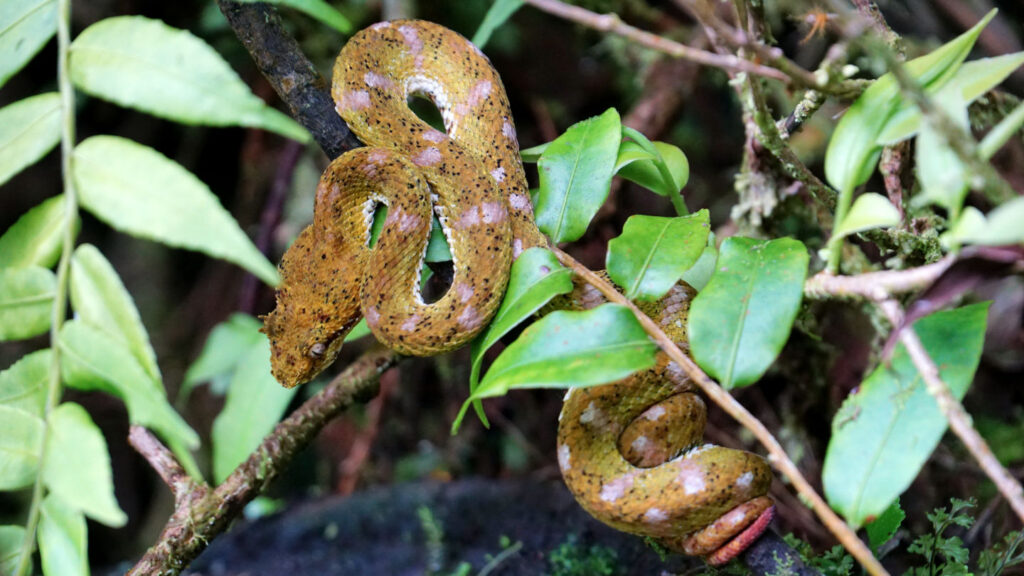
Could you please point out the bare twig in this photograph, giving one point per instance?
(612, 23)
(869, 10)
(953, 410)
(164, 463)
(208, 513)
(776, 454)
(877, 286)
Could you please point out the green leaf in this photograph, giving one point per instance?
(62, 539)
(630, 152)
(940, 171)
(535, 279)
(225, 346)
(317, 9)
(884, 433)
(26, 295)
(1002, 226)
(11, 538)
(21, 442)
(653, 252)
(741, 320)
(853, 150)
(36, 239)
(141, 192)
(101, 300)
(29, 129)
(883, 528)
(1001, 133)
(145, 64)
(700, 273)
(869, 210)
(575, 176)
(533, 154)
(497, 14)
(77, 465)
(970, 225)
(25, 27)
(569, 349)
(25, 383)
(92, 360)
(970, 82)
(254, 405)
(358, 331)
(645, 172)
(437, 247)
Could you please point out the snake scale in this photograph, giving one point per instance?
(632, 451)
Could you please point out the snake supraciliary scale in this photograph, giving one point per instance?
(631, 452)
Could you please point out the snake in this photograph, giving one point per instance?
(631, 452)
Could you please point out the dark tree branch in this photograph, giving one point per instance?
(289, 71)
(204, 513)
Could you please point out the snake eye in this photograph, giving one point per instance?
(317, 350)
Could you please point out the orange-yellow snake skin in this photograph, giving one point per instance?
(631, 452)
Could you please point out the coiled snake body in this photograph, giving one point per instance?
(631, 452)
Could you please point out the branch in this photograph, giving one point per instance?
(612, 23)
(776, 455)
(207, 513)
(292, 75)
(167, 467)
(953, 410)
(877, 286)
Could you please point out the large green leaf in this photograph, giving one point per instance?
(497, 14)
(225, 347)
(568, 348)
(254, 405)
(148, 65)
(25, 383)
(101, 300)
(21, 442)
(576, 174)
(62, 539)
(535, 279)
(11, 538)
(653, 252)
(318, 9)
(741, 320)
(143, 193)
(885, 432)
(939, 170)
(26, 295)
(92, 360)
(29, 129)
(77, 465)
(25, 27)
(36, 239)
(853, 150)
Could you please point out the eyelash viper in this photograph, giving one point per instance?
(631, 452)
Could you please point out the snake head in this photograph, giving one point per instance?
(316, 309)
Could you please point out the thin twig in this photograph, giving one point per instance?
(164, 463)
(953, 410)
(777, 455)
(191, 528)
(612, 23)
(877, 286)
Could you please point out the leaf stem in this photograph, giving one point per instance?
(59, 310)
